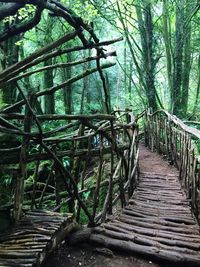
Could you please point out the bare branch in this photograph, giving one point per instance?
(17, 29)
(39, 56)
(57, 87)
(14, 69)
(60, 65)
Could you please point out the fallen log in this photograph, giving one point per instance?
(145, 250)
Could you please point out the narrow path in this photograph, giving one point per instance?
(89, 255)
(158, 221)
(154, 163)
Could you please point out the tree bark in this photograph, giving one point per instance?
(67, 91)
(196, 104)
(186, 62)
(11, 54)
(49, 102)
(167, 41)
(86, 92)
(146, 30)
(178, 59)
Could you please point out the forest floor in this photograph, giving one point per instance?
(90, 256)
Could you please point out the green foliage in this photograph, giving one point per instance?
(22, 14)
(2, 104)
(19, 43)
(83, 9)
(6, 187)
(51, 125)
(83, 217)
(66, 161)
(26, 11)
(64, 208)
(6, 179)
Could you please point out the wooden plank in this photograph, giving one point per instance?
(157, 222)
(38, 234)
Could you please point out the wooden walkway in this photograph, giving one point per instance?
(157, 223)
(38, 234)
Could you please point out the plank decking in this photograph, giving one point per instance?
(38, 234)
(157, 222)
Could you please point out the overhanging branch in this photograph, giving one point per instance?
(17, 29)
(9, 9)
(57, 87)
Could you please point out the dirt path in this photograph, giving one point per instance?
(85, 255)
(153, 162)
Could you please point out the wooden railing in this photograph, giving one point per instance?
(180, 144)
(91, 162)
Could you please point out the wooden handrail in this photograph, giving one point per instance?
(94, 138)
(178, 122)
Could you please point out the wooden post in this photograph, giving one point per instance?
(98, 182)
(110, 188)
(19, 192)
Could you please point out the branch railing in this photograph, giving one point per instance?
(65, 150)
(90, 163)
(180, 144)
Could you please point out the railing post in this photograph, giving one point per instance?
(111, 169)
(19, 190)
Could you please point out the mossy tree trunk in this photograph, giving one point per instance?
(10, 55)
(67, 91)
(148, 46)
(49, 101)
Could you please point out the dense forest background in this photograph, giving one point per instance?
(158, 61)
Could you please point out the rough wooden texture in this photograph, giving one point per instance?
(157, 222)
(87, 140)
(168, 135)
(37, 234)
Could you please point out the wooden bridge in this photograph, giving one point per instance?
(37, 235)
(160, 211)
(157, 223)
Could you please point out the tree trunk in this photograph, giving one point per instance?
(11, 54)
(125, 73)
(67, 91)
(86, 92)
(130, 80)
(186, 66)
(145, 25)
(49, 102)
(196, 104)
(30, 87)
(178, 60)
(108, 90)
(167, 41)
(149, 61)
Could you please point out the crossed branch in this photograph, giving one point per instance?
(11, 7)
